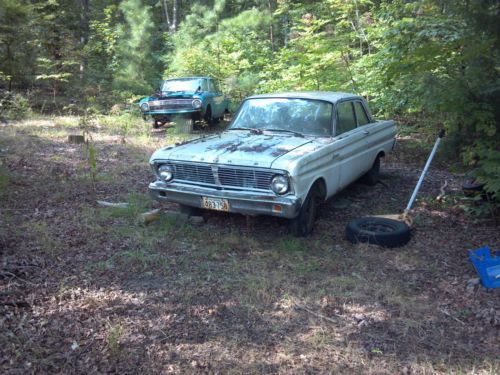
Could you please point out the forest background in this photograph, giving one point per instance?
(429, 64)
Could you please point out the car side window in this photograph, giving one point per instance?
(211, 85)
(345, 118)
(361, 115)
(216, 86)
(204, 85)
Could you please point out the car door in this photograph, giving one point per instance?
(379, 135)
(367, 127)
(217, 99)
(351, 153)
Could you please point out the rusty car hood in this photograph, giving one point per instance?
(234, 147)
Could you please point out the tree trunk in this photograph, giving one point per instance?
(171, 22)
(84, 32)
(167, 17)
(173, 29)
(271, 31)
(9, 72)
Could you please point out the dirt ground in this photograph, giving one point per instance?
(87, 290)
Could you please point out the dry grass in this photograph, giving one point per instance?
(229, 296)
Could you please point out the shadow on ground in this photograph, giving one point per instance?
(234, 295)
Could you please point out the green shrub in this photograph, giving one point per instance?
(14, 106)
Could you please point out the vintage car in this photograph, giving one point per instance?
(195, 98)
(282, 155)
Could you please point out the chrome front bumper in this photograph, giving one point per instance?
(170, 112)
(239, 202)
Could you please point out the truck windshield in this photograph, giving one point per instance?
(304, 116)
(189, 84)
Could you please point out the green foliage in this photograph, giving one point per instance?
(133, 50)
(234, 52)
(15, 57)
(432, 60)
(14, 106)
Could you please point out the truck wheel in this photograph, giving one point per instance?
(373, 175)
(303, 224)
(378, 231)
(208, 116)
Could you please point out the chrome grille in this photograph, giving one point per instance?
(222, 177)
(245, 178)
(194, 173)
(171, 104)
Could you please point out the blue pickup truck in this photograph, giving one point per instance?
(194, 97)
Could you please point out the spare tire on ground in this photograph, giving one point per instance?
(472, 186)
(378, 231)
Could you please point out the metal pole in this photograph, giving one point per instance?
(427, 165)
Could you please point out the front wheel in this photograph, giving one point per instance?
(303, 224)
(208, 116)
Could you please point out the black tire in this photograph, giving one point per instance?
(190, 211)
(378, 231)
(208, 116)
(472, 186)
(303, 224)
(373, 175)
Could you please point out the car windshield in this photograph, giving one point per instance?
(304, 116)
(189, 84)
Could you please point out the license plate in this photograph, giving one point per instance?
(215, 204)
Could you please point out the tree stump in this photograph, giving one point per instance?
(76, 138)
(186, 126)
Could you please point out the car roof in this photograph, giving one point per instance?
(172, 79)
(329, 96)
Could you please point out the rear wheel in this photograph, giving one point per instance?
(373, 175)
(303, 224)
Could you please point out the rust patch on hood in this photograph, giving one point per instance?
(280, 151)
(239, 146)
(230, 146)
(256, 148)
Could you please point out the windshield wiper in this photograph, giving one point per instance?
(252, 130)
(297, 134)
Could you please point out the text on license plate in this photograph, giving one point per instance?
(215, 204)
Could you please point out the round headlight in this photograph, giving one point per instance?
(196, 103)
(279, 184)
(166, 172)
(144, 107)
